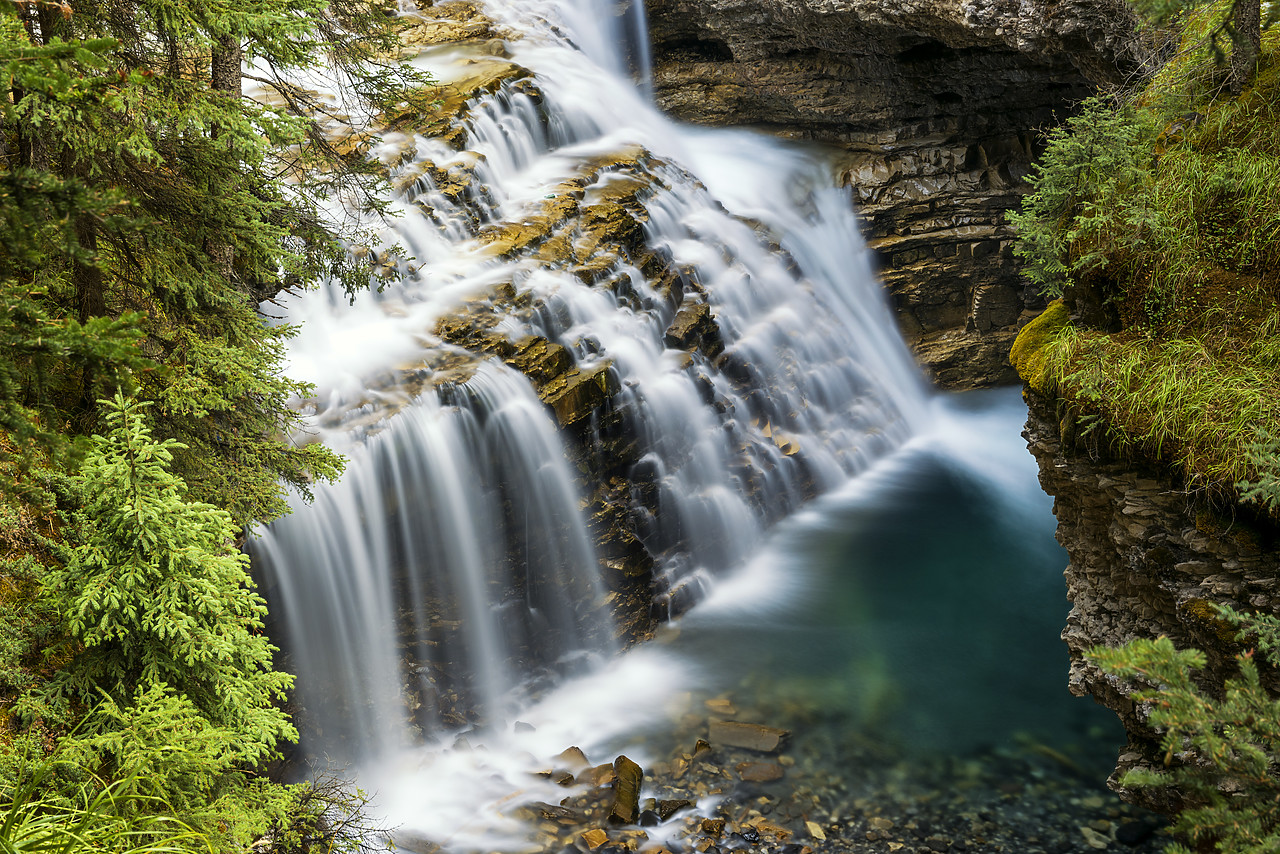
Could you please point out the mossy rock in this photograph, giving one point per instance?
(1203, 614)
(1030, 352)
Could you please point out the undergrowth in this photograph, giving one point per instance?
(1156, 217)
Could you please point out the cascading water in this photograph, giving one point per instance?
(719, 352)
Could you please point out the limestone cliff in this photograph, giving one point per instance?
(933, 109)
(1147, 559)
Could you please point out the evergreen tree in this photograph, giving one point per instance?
(1239, 29)
(1221, 747)
(160, 597)
(166, 206)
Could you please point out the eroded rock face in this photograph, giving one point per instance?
(933, 109)
(1148, 558)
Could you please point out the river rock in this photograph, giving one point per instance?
(668, 808)
(626, 791)
(573, 759)
(694, 328)
(764, 739)
(759, 772)
(577, 393)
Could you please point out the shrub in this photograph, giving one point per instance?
(1221, 751)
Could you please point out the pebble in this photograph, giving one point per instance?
(1094, 839)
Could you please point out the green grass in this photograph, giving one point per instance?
(1180, 245)
(1183, 400)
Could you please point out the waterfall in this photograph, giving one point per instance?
(605, 323)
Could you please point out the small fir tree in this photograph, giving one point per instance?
(162, 601)
(1221, 752)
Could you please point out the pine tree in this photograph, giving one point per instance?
(161, 599)
(1239, 29)
(170, 205)
(1221, 748)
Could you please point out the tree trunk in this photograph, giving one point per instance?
(1246, 42)
(91, 298)
(225, 73)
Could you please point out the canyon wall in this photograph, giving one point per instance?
(1148, 558)
(932, 110)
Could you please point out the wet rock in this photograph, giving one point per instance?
(759, 772)
(626, 791)
(1094, 839)
(695, 328)
(668, 808)
(594, 838)
(600, 775)
(552, 812)
(577, 393)
(764, 739)
(572, 758)
(539, 359)
(713, 827)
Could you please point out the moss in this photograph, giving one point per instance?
(1204, 614)
(1030, 354)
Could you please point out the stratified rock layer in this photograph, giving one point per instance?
(1148, 558)
(933, 107)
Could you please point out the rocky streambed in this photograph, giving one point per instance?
(732, 785)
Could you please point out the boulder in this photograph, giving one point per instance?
(628, 776)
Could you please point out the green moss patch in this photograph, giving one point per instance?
(1032, 349)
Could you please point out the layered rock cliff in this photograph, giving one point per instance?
(933, 110)
(1148, 558)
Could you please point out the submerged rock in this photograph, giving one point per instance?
(765, 739)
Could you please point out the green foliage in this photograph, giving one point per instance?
(1221, 749)
(106, 819)
(1264, 457)
(1167, 254)
(162, 601)
(146, 208)
(1089, 195)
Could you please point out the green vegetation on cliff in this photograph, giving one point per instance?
(1155, 222)
(1156, 218)
(146, 208)
(1226, 741)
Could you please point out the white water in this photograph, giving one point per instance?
(465, 496)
